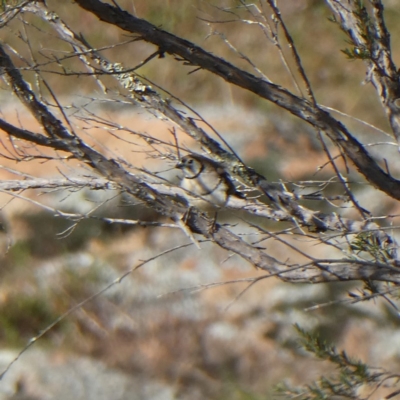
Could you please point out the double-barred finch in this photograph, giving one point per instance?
(208, 180)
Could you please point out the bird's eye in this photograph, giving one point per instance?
(190, 162)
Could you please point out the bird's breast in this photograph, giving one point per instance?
(213, 193)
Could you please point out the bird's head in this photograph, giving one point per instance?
(191, 166)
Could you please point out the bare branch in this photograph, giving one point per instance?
(371, 41)
(302, 108)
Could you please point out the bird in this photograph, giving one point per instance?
(208, 181)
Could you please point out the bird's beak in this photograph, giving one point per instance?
(179, 165)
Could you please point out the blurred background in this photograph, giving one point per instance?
(166, 331)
